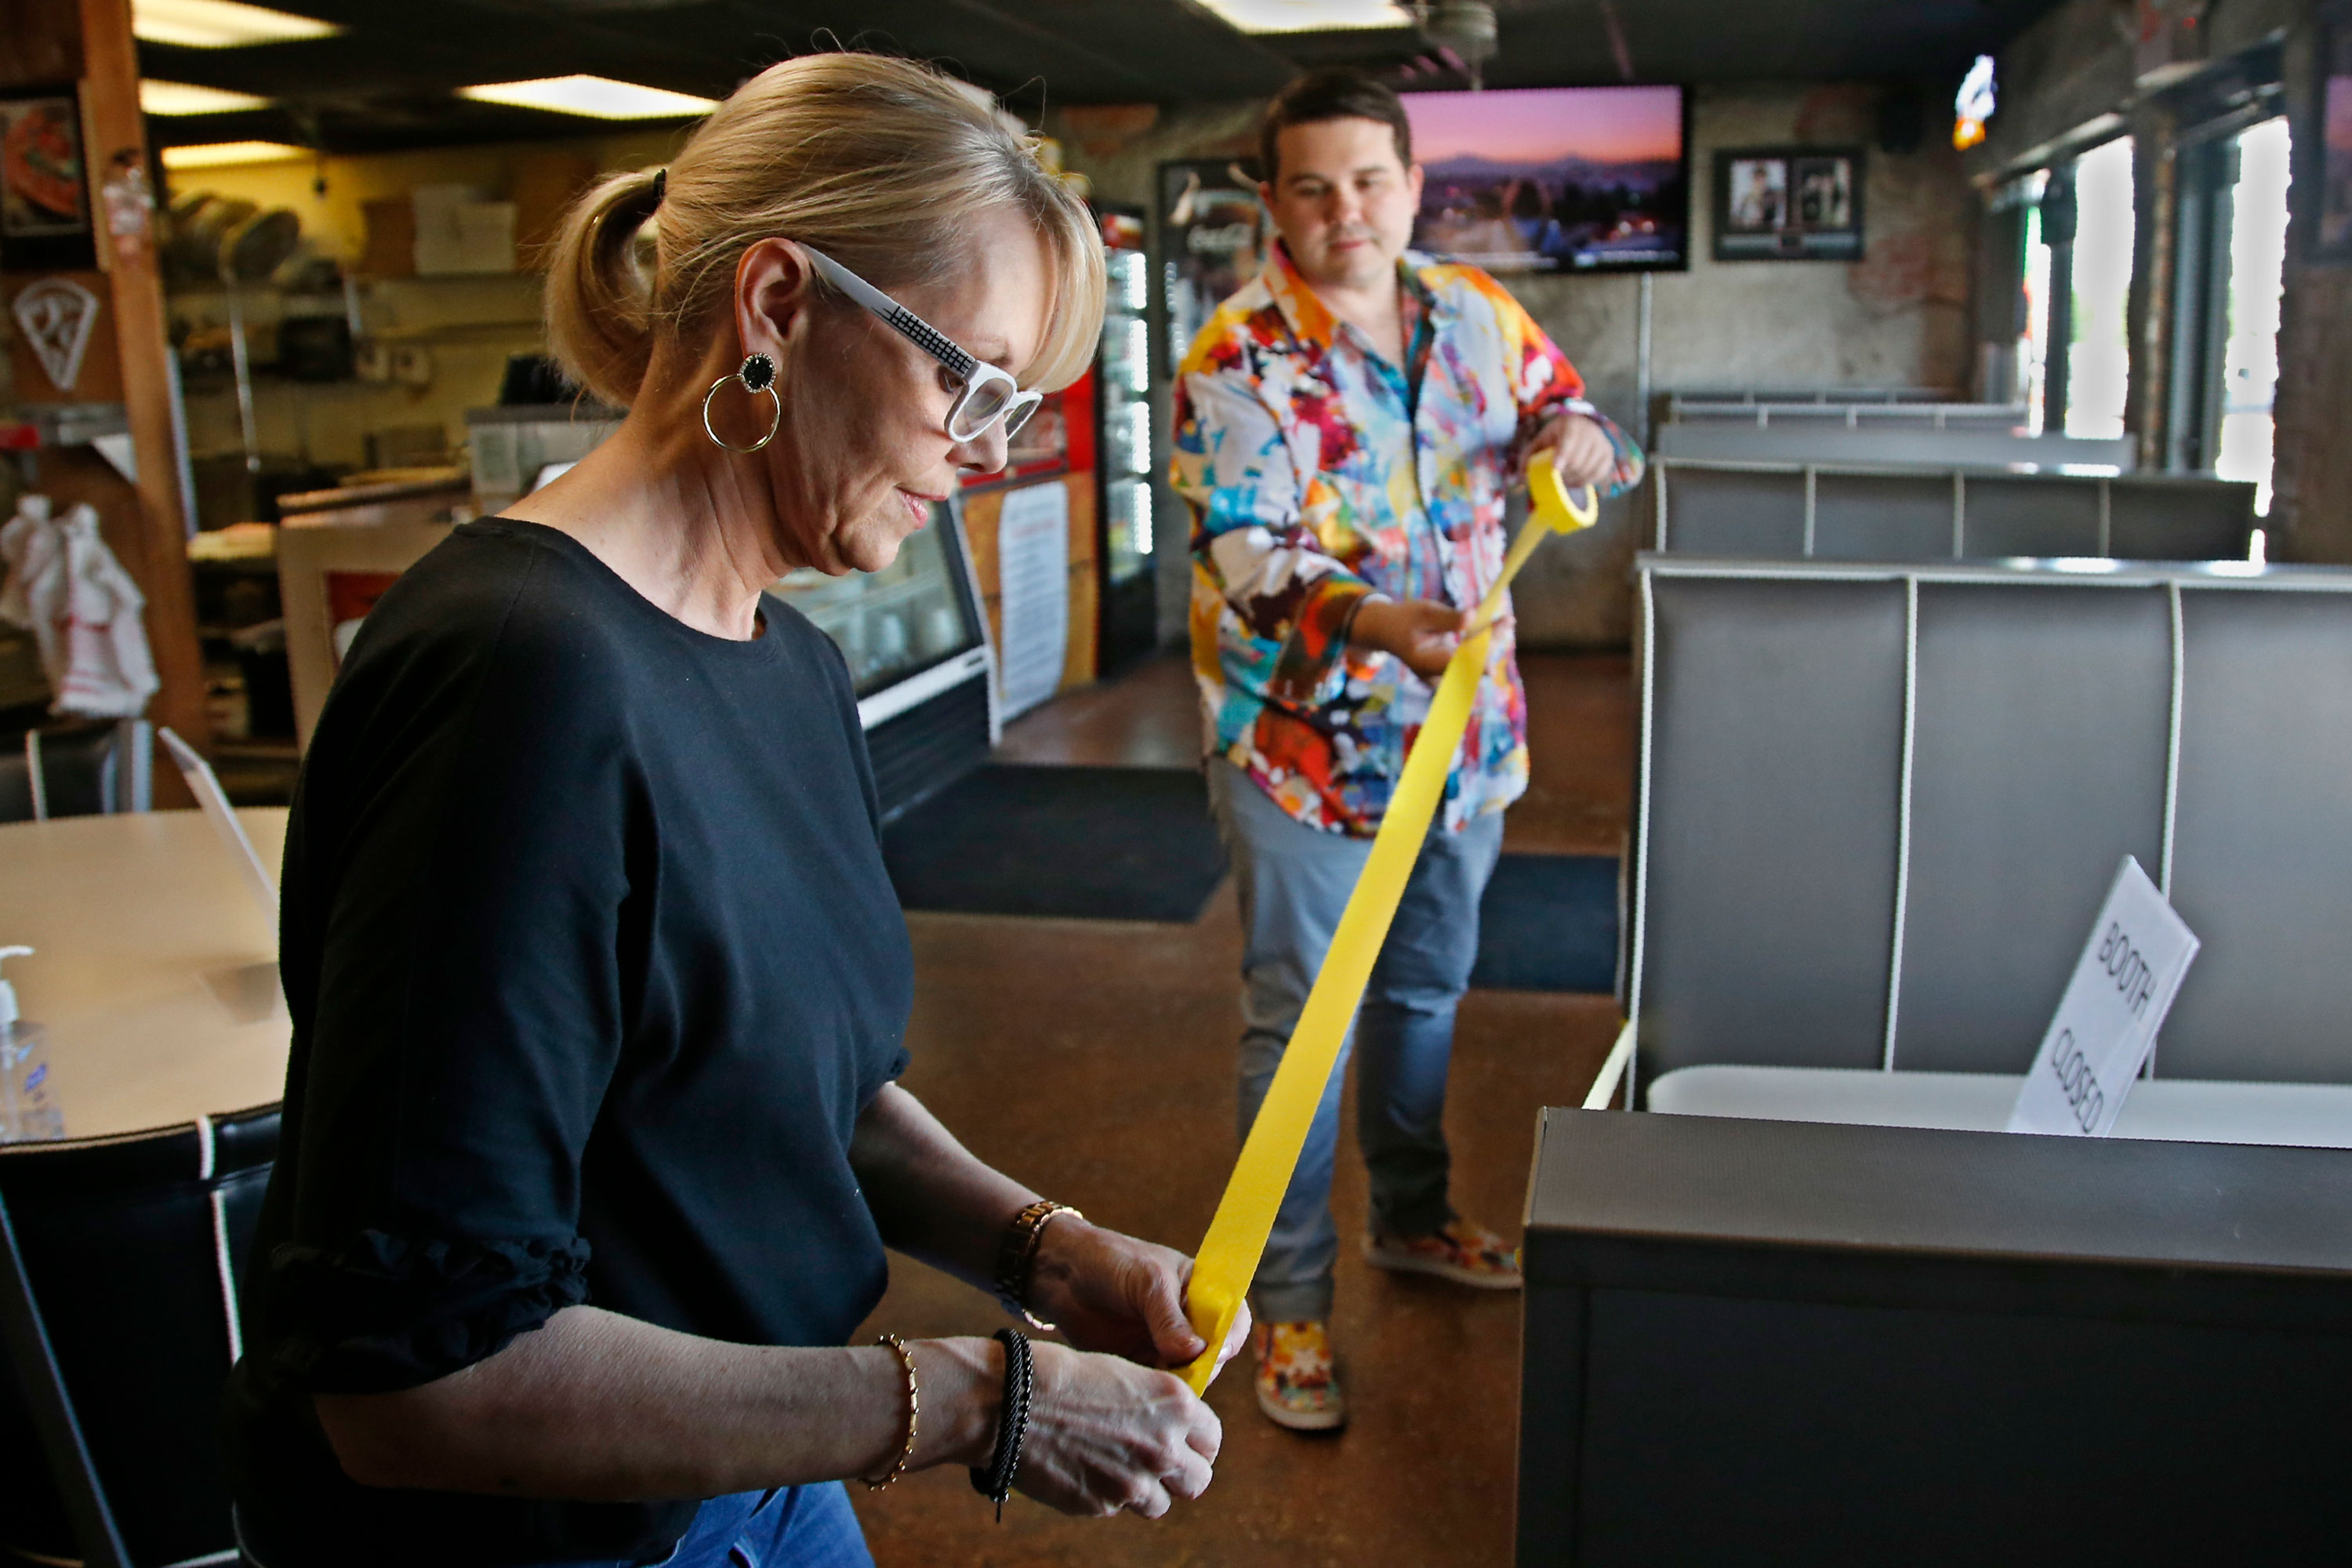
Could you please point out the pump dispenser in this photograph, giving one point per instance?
(28, 1110)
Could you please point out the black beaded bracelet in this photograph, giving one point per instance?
(996, 1481)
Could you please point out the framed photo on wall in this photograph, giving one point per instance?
(1788, 204)
(2331, 230)
(45, 217)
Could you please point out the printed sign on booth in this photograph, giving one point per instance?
(2106, 1024)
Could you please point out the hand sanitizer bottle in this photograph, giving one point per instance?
(28, 1110)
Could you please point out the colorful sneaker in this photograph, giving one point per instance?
(1297, 1385)
(1465, 1252)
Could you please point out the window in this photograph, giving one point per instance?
(2073, 273)
(2099, 352)
(2249, 353)
(2031, 353)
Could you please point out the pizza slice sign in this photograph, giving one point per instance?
(57, 316)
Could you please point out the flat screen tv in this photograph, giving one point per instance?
(1557, 179)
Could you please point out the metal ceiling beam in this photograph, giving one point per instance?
(370, 85)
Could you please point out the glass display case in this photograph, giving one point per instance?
(917, 649)
(895, 623)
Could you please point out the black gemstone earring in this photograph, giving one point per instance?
(757, 374)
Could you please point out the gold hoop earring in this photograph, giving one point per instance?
(756, 375)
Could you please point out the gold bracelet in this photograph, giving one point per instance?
(1017, 1258)
(914, 1411)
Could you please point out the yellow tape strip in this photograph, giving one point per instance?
(1229, 1254)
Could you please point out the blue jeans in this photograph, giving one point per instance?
(1294, 881)
(791, 1527)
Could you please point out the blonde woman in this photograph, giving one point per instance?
(592, 1145)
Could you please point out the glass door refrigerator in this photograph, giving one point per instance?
(1125, 451)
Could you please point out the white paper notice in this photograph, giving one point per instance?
(1033, 555)
(2105, 1024)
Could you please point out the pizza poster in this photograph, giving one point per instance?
(45, 217)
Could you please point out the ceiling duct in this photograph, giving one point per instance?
(596, 7)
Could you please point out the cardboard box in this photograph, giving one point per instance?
(390, 250)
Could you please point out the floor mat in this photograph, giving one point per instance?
(1137, 843)
(1087, 843)
(1549, 922)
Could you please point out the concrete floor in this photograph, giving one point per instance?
(1094, 1059)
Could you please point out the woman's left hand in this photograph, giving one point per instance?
(1115, 1294)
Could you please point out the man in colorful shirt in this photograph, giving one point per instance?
(1346, 428)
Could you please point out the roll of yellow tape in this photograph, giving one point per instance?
(1229, 1254)
(1555, 506)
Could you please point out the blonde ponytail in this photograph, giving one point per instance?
(881, 163)
(599, 295)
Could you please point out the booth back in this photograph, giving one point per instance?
(1793, 511)
(1880, 807)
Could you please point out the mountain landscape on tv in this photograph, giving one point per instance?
(1553, 214)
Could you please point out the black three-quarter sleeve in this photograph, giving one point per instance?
(470, 1000)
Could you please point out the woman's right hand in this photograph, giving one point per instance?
(1106, 1435)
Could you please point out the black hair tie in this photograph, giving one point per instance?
(661, 184)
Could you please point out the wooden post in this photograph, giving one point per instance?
(2156, 200)
(157, 557)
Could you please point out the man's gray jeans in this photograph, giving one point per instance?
(1294, 881)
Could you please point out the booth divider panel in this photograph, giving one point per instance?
(1718, 512)
(1718, 1430)
(1772, 1342)
(2181, 520)
(1883, 517)
(2038, 759)
(2034, 515)
(1775, 760)
(2262, 845)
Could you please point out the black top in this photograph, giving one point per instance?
(592, 966)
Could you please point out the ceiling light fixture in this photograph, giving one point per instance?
(187, 97)
(1309, 15)
(213, 155)
(596, 97)
(220, 23)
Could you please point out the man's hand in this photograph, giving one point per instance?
(1422, 632)
(1112, 1293)
(1579, 447)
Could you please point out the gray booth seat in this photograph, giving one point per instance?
(1880, 805)
(1801, 511)
(1742, 402)
(1877, 811)
(1827, 410)
(1936, 435)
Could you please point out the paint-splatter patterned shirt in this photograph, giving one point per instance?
(1318, 474)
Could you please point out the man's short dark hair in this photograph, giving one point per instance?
(1336, 94)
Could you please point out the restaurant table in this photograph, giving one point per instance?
(155, 968)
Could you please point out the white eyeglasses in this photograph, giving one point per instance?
(987, 394)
